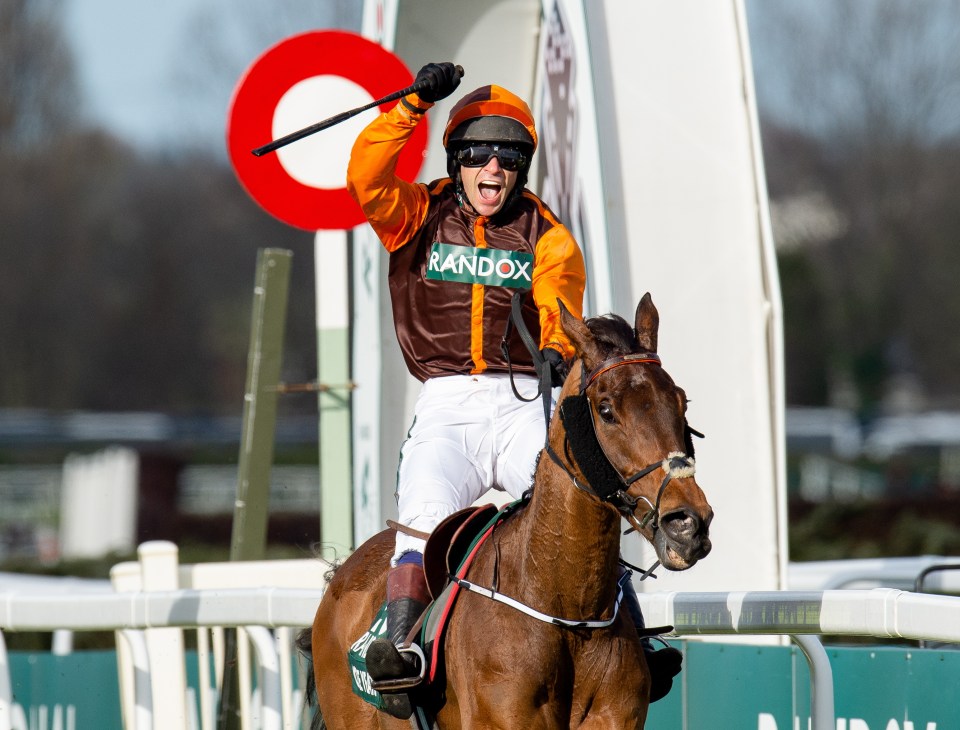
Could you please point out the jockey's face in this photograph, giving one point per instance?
(488, 187)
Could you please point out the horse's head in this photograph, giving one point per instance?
(641, 456)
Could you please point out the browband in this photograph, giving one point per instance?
(614, 362)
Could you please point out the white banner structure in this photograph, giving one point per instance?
(687, 216)
(651, 154)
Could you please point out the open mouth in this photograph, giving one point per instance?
(489, 191)
(678, 557)
(675, 560)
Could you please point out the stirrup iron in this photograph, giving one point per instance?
(402, 683)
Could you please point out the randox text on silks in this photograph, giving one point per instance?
(471, 265)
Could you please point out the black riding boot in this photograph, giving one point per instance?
(394, 672)
(664, 664)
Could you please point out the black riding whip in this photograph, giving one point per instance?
(342, 117)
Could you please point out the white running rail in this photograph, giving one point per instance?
(880, 612)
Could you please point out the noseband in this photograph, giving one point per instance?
(602, 479)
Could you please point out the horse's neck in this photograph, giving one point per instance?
(572, 544)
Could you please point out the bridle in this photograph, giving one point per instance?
(602, 480)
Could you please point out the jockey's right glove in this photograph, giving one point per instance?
(558, 366)
(442, 79)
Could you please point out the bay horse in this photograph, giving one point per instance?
(558, 555)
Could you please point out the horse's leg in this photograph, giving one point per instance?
(348, 608)
(618, 696)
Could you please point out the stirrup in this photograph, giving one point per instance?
(404, 683)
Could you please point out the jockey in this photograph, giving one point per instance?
(459, 248)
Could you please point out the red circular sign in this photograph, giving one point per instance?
(251, 115)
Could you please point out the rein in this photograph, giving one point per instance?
(544, 391)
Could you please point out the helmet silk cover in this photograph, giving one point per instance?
(490, 114)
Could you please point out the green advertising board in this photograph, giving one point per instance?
(71, 692)
(743, 687)
(722, 687)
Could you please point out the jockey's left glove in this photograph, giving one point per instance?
(558, 366)
(441, 79)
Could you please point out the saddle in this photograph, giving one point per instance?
(449, 542)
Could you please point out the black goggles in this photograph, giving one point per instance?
(478, 155)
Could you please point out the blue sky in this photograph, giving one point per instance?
(154, 70)
(126, 53)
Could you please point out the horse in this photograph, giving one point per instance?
(558, 554)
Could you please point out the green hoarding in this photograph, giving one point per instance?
(741, 687)
(69, 692)
(723, 687)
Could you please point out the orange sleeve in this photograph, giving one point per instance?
(558, 272)
(394, 207)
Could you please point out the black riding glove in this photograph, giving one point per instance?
(443, 79)
(558, 366)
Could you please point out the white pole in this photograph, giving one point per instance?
(159, 569)
(333, 369)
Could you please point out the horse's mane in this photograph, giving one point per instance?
(613, 334)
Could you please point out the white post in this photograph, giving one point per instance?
(269, 668)
(159, 570)
(125, 578)
(333, 343)
(244, 679)
(207, 684)
(368, 517)
(6, 691)
(99, 503)
(283, 641)
(139, 715)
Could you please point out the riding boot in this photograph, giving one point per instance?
(394, 672)
(664, 664)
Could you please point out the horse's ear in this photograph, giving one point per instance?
(647, 323)
(580, 336)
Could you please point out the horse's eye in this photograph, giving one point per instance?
(606, 412)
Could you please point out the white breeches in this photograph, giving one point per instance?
(470, 433)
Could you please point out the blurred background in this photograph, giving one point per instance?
(129, 249)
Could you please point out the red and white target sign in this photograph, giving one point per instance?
(298, 82)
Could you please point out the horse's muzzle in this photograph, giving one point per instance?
(682, 539)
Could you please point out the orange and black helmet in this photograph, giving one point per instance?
(490, 114)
